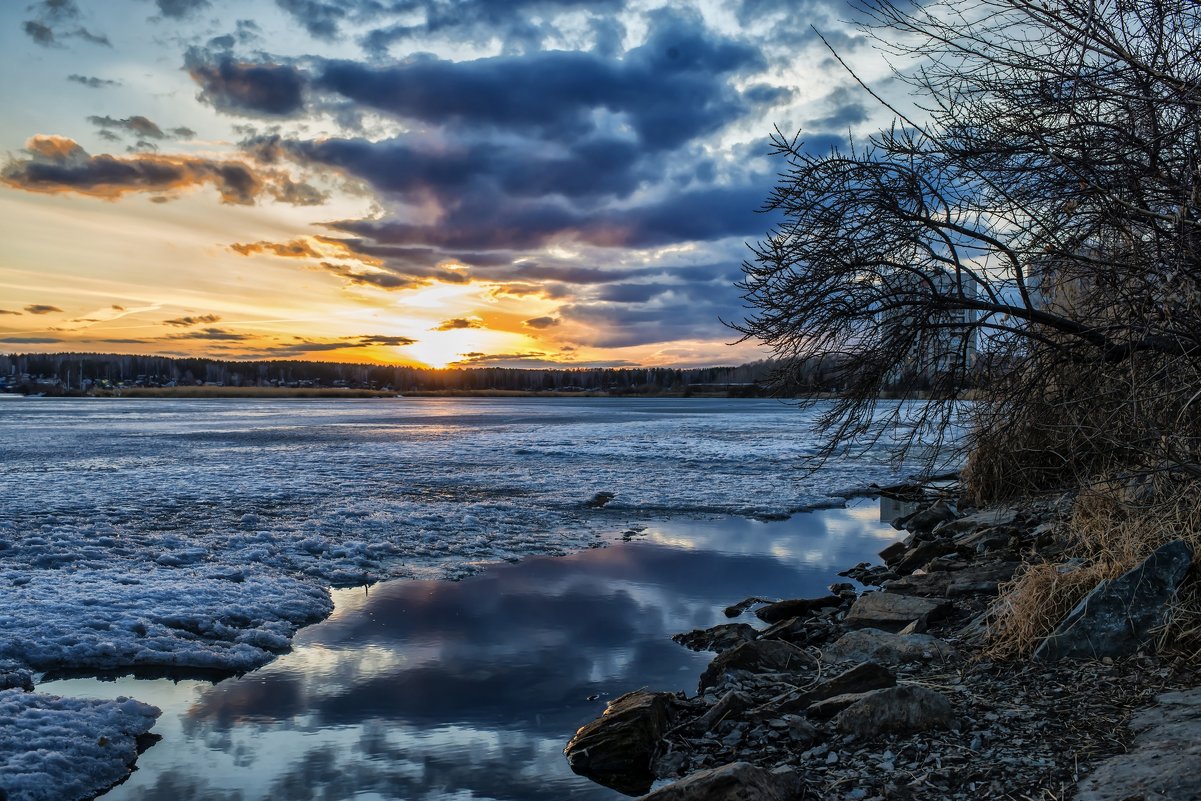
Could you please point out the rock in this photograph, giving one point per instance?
(975, 579)
(991, 518)
(891, 611)
(829, 707)
(867, 573)
(802, 732)
(738, 781)
(873, 645)
(926, 519)
(793, 629)
(729, 706)
(618, 749)
(600, 499)
(861, 678)
(760, 656)
(1117, 616)
(893, 552)
(734, 610)
(920, 554)
(718, 638)
(796, 607)
(906, 708)
(1161, 764)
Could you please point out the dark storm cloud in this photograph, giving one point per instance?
(29, 340)
(267, 90)
(673, 88)
(489, 222)
(137, 125)
(587, 168)
(57, 165)
(92, 82)
(541, 322)
(9, 311)
(41, 308)
(693, 315)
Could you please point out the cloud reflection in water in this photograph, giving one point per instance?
(468, 690)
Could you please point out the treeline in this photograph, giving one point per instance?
(71, 373)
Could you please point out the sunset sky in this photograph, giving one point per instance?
(507, 182)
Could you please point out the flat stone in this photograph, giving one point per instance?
(795, 607)
(759, 656)
(861, 678)
(975, 579)
(1117, 616)
(1162, 762)
(890, 611)
(618, 749)
(990, 518)
(886, 648)
(738, 781)
(905, 708)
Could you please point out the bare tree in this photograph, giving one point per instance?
(1045, 209)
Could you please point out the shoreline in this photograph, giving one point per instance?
(889, 694)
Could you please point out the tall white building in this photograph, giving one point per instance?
(944, 342)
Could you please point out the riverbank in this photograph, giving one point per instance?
(892, 694)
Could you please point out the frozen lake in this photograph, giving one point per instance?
(201, 535)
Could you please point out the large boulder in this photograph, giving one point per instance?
(618, 749)
(905, 708)
(1116, 618)
(890, 611)
(738, 781)
(1161, 764)
(757, 656)
(886, 648)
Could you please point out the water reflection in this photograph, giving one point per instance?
(469, 690)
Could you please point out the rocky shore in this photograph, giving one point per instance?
(884, 691)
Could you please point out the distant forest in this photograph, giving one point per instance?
(77, 373)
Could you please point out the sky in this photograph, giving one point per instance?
(430, 182)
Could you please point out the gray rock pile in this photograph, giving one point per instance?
(878, 695)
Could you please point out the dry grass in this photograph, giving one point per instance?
(1030, 606)
(1115, 524)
